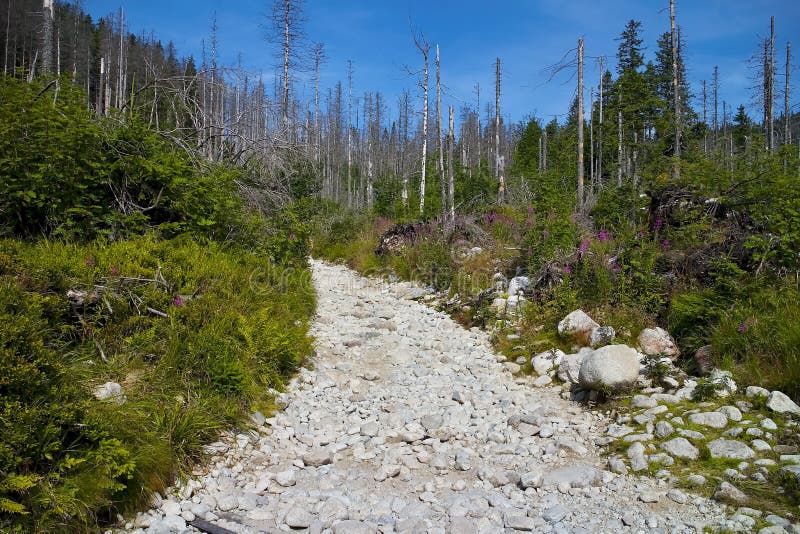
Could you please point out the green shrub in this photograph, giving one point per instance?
(236, 326)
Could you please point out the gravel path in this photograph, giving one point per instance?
(409, 423)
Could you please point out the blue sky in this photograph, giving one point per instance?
(528, 35)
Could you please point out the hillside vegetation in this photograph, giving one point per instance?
(125, 263)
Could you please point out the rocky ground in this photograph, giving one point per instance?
(409, 423)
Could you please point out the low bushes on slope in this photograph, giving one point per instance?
(196, 335)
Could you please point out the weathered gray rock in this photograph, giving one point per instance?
(728, 493)
(755, 391)
(710, 419)
(461, 525)
(677, 496)
(545, 361)
(616, 465)
(614, 366)
(521, 523)
(637, 457)
(350, 526)
(731, 412)
(576, 476)
(649, 497)
(542, 381)
(297, 517)
(287, 478)
(768, 424)
(730, 449)
(781, 403)
(578, 325)
(531, 479)
(317, 458)
(463, 461)
(174, 523)
(681, 448)
(570, 368)
(602, 335)
(643, 401)
(658, 342)
(724, 382)
(663, 429)
(228, 502)
(555, 514)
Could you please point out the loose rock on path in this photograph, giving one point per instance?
(410, 423)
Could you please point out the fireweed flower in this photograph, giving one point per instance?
(568, 269)
(178, 302)
(742, 329)
(665, 244)
(602, 236)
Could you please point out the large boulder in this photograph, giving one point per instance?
(781, 403)
(614, 366)
(577, 325)
(658, 342)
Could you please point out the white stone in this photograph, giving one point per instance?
(286, 478)
(681, 448)
(658, 342)
(577, 324)
(781, 403)
(570, 368)
(615, 366)
(710, 419)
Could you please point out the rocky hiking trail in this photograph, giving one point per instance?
(410, 423)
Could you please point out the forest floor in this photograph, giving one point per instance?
(410, 423)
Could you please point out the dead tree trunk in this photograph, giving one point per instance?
(581, 196)
(424, 48)
(478, 119)
(592, 177)
(715, 87)
(499, 164)
(705, 120)
(619, 140)
(8, 31)
(349, 132)
(600, 120)
(319, 57)
(451, 141)
(771, 105)
(439, 140)
(47, 36)
(676, 168)
(787, 133)
(286, 49)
